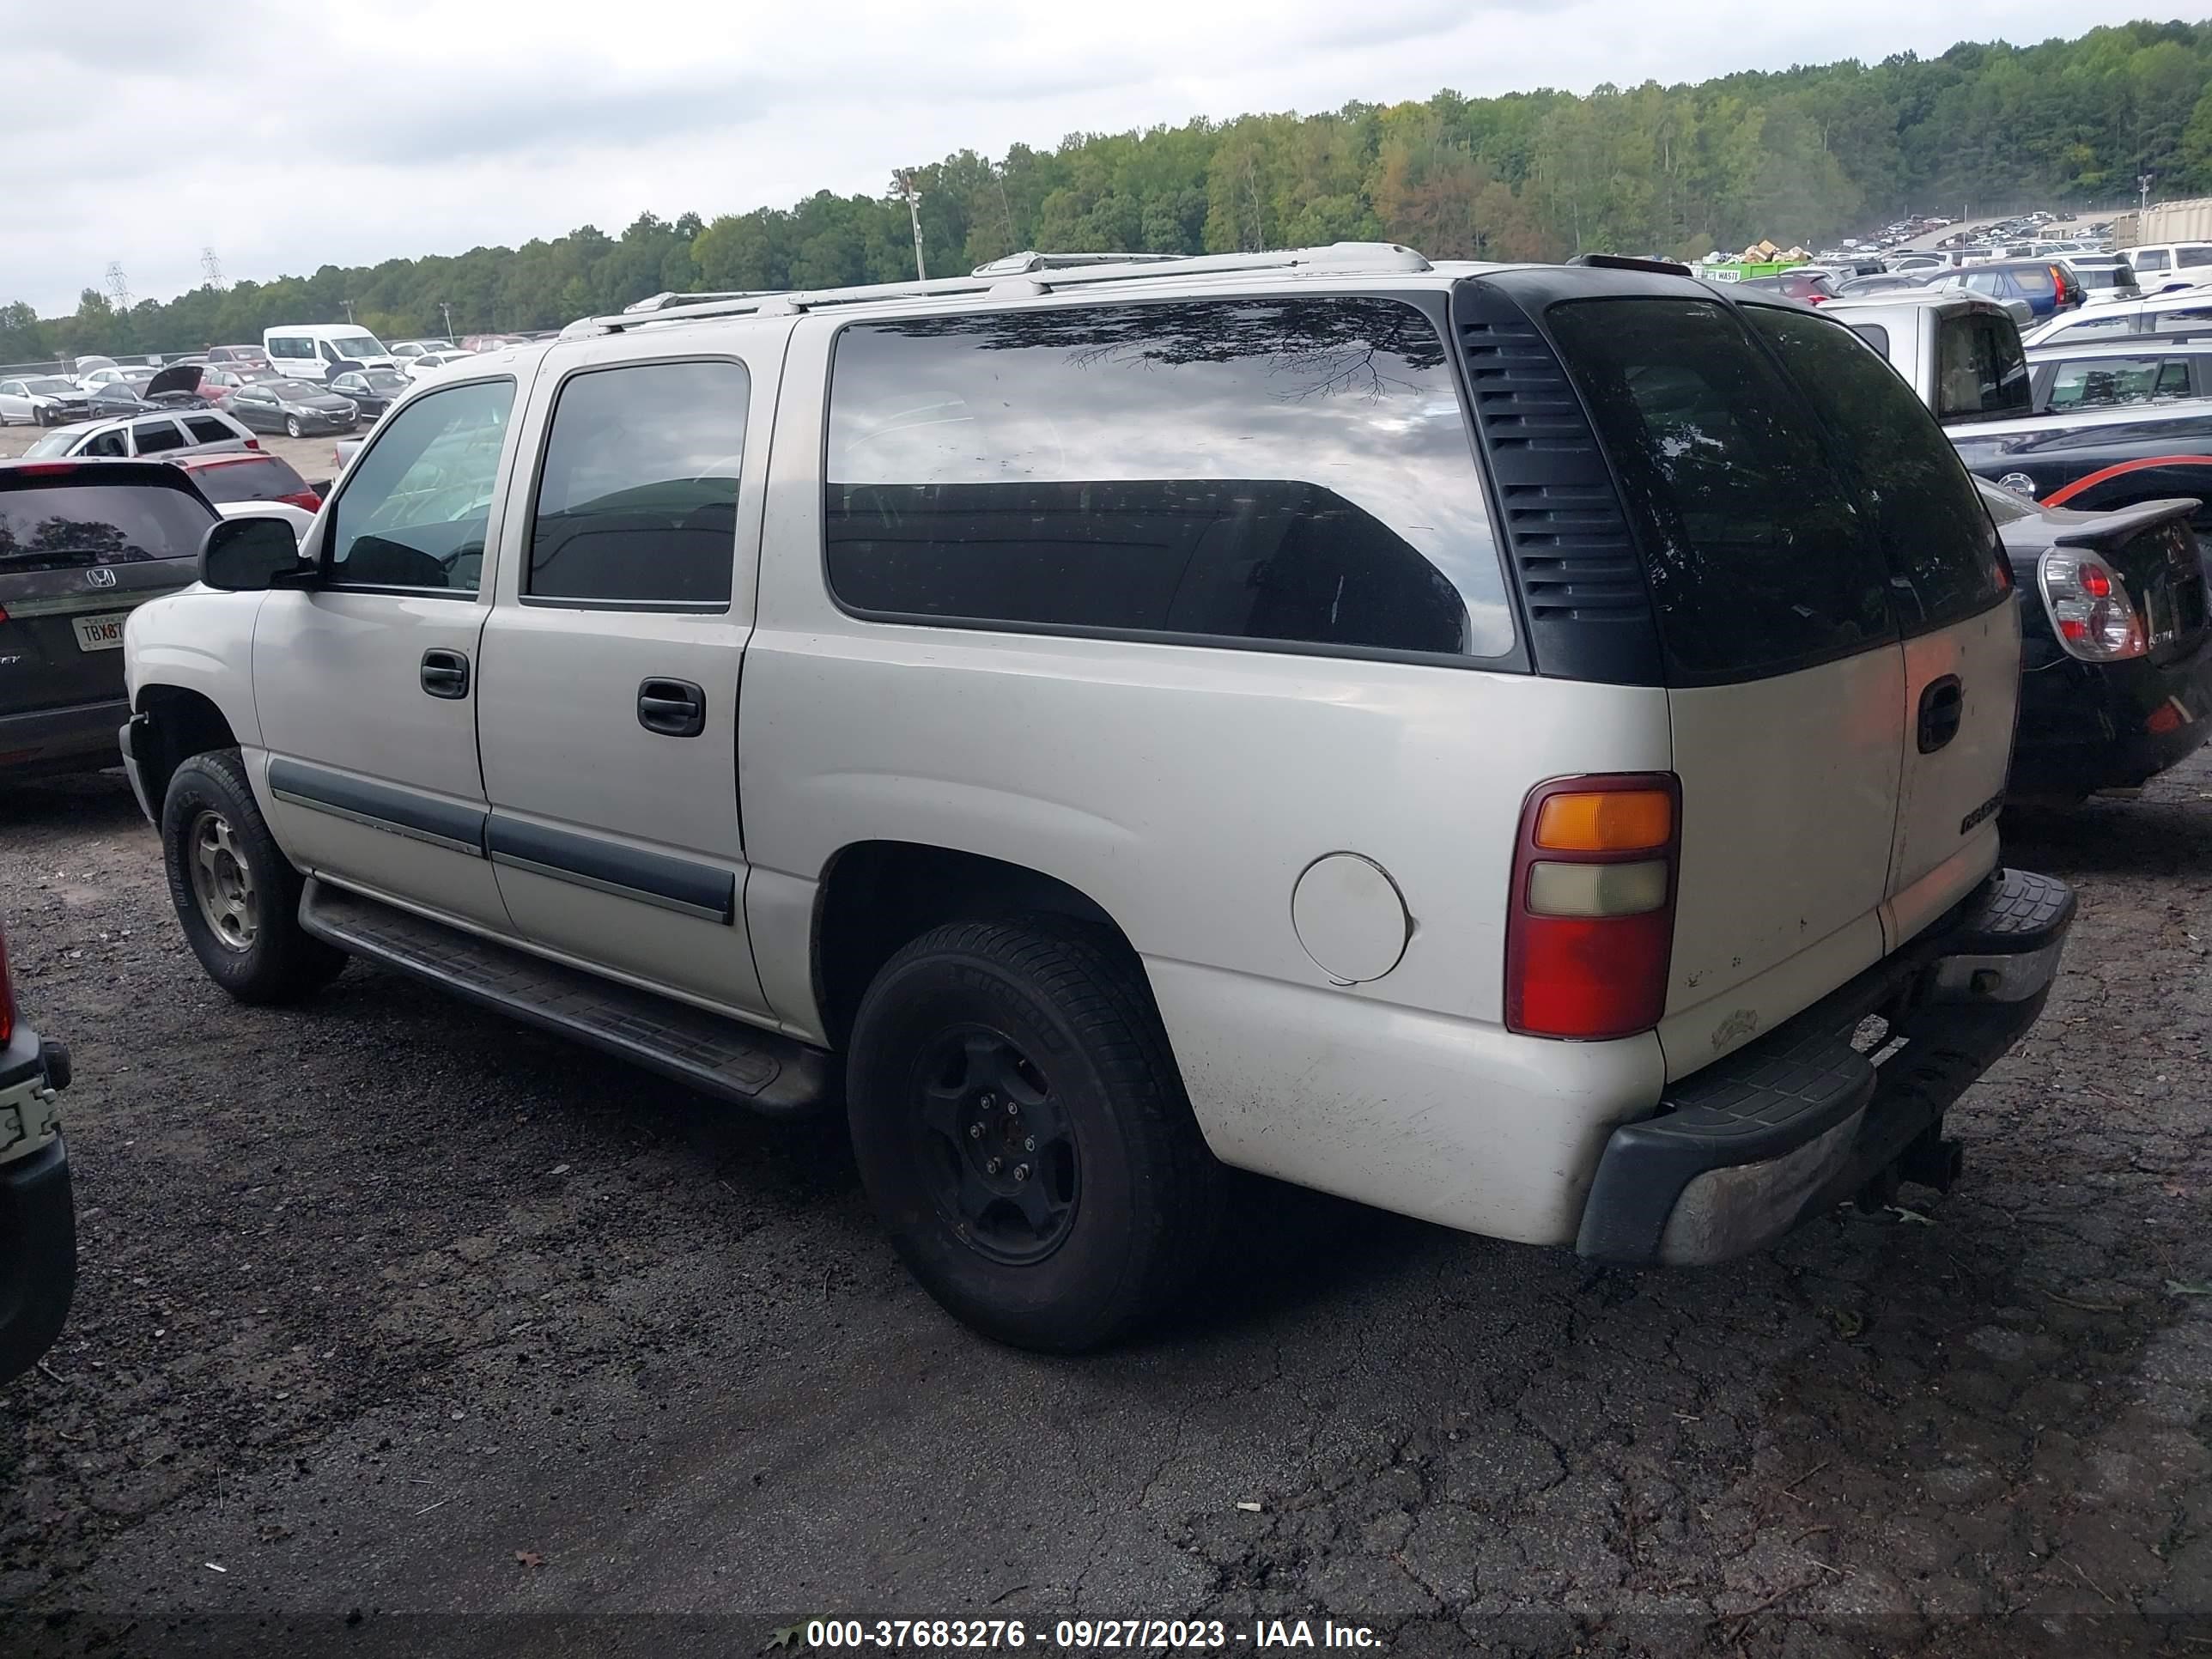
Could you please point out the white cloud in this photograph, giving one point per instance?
(288, 137)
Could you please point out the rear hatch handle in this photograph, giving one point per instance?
(1941, 706)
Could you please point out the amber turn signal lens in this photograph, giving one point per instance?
(1610, 821)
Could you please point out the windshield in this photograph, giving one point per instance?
(55, 443)
(60, 527)
(49, 386)
(359, 345)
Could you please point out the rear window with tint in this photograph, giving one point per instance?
(1757, 555)
(1934, 532)
(2034, 282)
(263, 479)
(57, 528)
(1980, 374)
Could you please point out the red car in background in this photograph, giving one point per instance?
(219, 380)
(229, 479)
(237, 356)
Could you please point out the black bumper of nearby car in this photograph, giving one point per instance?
(1791, 1125)
(79, 738)
(37, 1212)
(2086, 726)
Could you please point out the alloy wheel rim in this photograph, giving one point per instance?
(998, 1149)
(222, 882)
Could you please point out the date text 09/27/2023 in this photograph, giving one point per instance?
(1077, 1635)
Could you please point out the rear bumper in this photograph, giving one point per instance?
(37, 1215)
(76, 739)
(2086, 726)
(1742, 1152)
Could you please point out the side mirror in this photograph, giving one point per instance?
(250, 555)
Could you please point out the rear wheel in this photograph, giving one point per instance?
(1022, 1132)
(235, 893)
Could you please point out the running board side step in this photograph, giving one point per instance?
(750, 1068)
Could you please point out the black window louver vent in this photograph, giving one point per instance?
(1580, 574)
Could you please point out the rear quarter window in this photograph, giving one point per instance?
(1295, 472)
(1934, 532)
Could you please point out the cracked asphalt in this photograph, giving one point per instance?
(402, 1329)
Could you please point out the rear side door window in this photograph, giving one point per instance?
(636, 502)
(417, 505)
(2152, 261)
(2184, 259)
(152, 437)
(1755, 548)
(2105, 382)
(207, 430)
(1265, 472)
(1927, 517)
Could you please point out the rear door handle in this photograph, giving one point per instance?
(1941, 707)
(446, 674)
(674, 708)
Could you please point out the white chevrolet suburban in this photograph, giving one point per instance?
(1518, 746)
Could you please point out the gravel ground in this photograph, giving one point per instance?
(402, 1329)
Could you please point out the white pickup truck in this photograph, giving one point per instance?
(1491, 742)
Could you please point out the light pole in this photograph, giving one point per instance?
(348, 304)
(2142, 193)
(446, 310)
(903, 184)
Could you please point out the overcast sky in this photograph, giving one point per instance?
(287, 136)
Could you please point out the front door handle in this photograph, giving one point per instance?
(674, 708)
(1941, 707)
(446, 674)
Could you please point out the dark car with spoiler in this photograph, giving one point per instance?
(2095, 469)
(2116, 654)
(81, 543)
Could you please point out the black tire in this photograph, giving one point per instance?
(292, 429)
(210, 811)
(1137, 1195)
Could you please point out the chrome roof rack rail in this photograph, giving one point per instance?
(1029, 273)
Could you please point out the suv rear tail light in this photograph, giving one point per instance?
(2091, 611)
(1591, 929)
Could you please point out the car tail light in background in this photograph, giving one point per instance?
(2091, 610)
(1591, 929)
(306, 500)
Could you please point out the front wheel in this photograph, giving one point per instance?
(292, 429)
(1022, 1132)
(236, 894)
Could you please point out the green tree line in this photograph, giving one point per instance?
(1803, 156)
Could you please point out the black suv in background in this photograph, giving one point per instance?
(81, 542)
